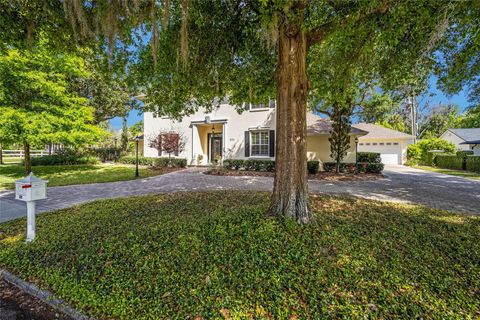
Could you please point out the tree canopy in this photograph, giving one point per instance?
(37, 103)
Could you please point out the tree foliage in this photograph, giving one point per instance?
(37, 103)
(339, 136)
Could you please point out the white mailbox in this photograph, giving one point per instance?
(30, 188)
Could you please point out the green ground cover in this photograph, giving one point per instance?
(75, 174)
(216, 255)
(458, 173)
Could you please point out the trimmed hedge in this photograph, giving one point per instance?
(448, 161)
(313, 166)
(263, 165)
(369, 157)
(63, 159)
(464, 153)
(155, 162)
(473, 163)
(363, 167)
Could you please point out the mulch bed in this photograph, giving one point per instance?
(16, 304)
(324, 176)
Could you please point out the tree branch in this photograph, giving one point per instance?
(319, 33)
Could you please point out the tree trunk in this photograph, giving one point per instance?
(26, 156)
(290, 191)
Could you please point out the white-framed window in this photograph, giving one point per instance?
(395, 143)
(259, 143)
(262, 106)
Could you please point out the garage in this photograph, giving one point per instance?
(391, 144)
(390, 152)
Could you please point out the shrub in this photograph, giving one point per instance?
(233, 164)
(430, 158)
(473, 163)
(155, 162)
(370, 157)
(449, 161)
(363, 167)
(64, 158)
(418, 153)
(313, 166)
(465, 153)
(107, 153)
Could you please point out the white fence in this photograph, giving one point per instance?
(15, 156)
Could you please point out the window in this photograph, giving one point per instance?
(389, 143)
(260, 106)
(395, 143)
(259, 143)
(361, 143)
(374, 144)
(367, 144)
(381, 143)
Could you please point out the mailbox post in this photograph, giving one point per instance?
(30, 189)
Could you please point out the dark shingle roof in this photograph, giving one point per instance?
(317, 125)
(470, 134)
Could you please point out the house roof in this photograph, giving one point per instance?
(470, 134)
(317, 125)
(380, 132)
(471, 142)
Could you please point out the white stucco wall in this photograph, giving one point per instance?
(234, 128)
(456, 140)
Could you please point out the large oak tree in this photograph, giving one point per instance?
(252, 50)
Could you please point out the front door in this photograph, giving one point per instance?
(215, 145)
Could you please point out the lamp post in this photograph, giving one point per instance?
(356, 154)
(136, 156)
(115, 151)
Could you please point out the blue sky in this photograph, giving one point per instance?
(434, 96)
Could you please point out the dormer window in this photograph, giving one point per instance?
(262, 106)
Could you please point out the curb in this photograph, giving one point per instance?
(43, 295)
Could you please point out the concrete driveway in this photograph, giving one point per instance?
(402, 184)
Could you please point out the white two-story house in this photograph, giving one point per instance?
(225, 133)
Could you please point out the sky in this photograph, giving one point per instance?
(434, 96)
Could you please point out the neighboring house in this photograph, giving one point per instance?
(391, 144)
(464, 139)
(226, 134)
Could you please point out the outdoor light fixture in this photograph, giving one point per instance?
(137, 139)
(356, 154)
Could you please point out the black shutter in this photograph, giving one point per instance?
(247, 144)
(271, 141)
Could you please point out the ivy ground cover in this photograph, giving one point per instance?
(216, 255)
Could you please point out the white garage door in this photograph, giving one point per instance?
(389, 152)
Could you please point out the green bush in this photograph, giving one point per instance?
(313, 166)
(430, 158)
(464, 153)
(249, 165)
(363, 167)
(473, 163)
(418, 153)
(161, 162)
(370, 157)
(64, 158)
(107, 153)
(446, 161)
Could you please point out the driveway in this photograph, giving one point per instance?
(402, 184)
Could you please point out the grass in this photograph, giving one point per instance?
(458, 173)
(75, 174)
(216, 255)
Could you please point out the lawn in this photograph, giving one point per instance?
(458, 173)
(216, 255)
(75, 174)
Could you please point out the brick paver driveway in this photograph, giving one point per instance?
(402, 184)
